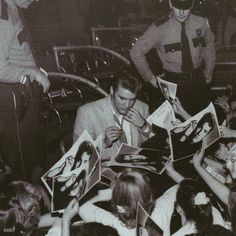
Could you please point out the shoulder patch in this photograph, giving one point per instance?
(4, 12)
(161, 20)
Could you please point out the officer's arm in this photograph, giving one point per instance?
(9, 72)
(209, 53)
(138, 53)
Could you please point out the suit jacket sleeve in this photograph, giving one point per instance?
(138, 53)
(82, 122)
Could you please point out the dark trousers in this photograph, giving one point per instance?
(20, 133)
(191, 91)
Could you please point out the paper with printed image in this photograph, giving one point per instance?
(83, 148)
(187, 138)
(163, 116)
(145, 225)
(168, 89)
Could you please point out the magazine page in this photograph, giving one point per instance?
(163, 116)
(168, 89)
(83, 147)
(76, 183)
(201, 129)
(145, 225)
(144, 158)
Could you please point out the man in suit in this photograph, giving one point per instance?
(119, 118)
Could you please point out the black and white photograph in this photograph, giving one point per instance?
(168, 89)
(113, 103)
(74, 184)
(142, 158)
(200, 130)
(82, 154)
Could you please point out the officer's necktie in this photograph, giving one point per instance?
(4, 13)
(123, 138)
(187, 63)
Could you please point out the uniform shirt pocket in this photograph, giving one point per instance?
(173, 52)
(198, 42)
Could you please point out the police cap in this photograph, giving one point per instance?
(182, 4)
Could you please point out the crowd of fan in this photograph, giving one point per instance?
(203, 209)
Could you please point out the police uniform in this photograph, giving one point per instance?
(20, 132)
(165, 37)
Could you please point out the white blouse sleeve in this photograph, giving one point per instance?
(164, 209)
(91, 213)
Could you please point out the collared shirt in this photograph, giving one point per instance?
(124, 123)
(15, 52)
(165, 38)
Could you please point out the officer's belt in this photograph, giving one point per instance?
(183, 74)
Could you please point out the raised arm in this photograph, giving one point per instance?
(172, 173)
(221, 191)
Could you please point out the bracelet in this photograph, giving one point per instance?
(143, 125)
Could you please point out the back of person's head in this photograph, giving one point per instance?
(12, 218)
(24, 195)
(127, 81)
(217, 230)
(130, 189)
(93, 229)
(195, 204)
(232, 205)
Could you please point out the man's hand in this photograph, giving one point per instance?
(134, 117)
(208, 76)
(43, 80)
(112, 134)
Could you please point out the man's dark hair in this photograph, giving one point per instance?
(127, 81)
(93, 229)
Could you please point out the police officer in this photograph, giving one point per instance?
(21, 82)
(186, 47)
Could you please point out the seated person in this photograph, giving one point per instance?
(119, 118)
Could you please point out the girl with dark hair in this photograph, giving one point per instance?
(131, 187)
(223, 192)
(188, 205)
